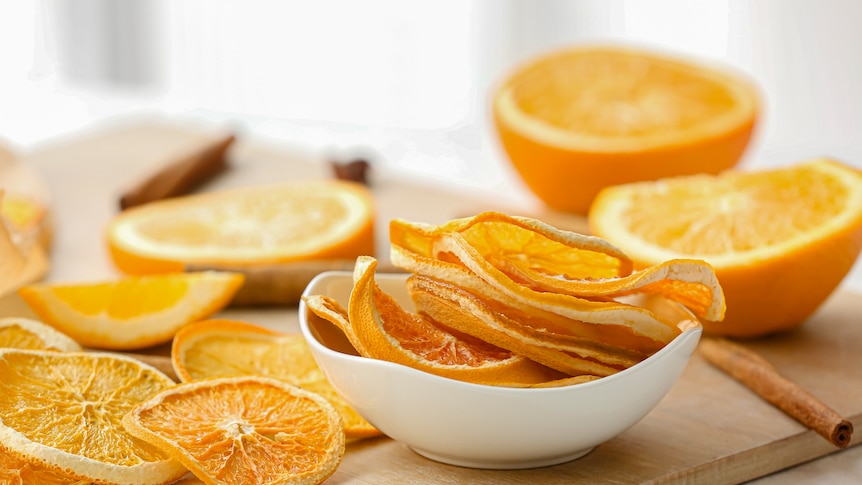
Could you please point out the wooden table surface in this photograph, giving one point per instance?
(709, 429)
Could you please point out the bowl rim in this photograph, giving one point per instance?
(692, 331)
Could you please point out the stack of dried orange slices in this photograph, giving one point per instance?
(513, 301)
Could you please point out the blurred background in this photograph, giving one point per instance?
(408, 80)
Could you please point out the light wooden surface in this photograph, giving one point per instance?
(709, 429)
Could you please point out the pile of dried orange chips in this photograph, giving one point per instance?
(513, 301)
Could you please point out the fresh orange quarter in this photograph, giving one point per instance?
(575, 120)
(133, 312)
(326, 219)
(780, 240)
(243, 430)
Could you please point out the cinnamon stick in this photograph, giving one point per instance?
(760, 376)
(180, 176)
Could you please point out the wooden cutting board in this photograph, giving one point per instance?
(708, 429)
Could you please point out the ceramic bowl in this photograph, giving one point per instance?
(482, 426)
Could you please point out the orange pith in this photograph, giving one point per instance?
(133, 312)
(780, 240)
(243, 430)
(226, 348)
(324, 219)
(576, 120)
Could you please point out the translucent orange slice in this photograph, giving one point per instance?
(387, 332)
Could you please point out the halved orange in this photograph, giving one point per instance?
(780, 240)
(581, 118)
(24, 333)
(228, 348)
(61, 412)
(243, 430)
(132, 312)
(388, 332)
(326, 219)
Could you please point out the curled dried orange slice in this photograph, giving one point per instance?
(387, 332)
(242, 430)
(227, 348)
(24, 333)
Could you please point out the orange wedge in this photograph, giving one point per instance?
(576, 120)
(134, 312)
(24, 333)
(780, 241)
(226, 348)
(388, 332)
(61, 413)
(325, 219)
(243, 430)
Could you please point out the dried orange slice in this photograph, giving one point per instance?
(780, 240)
(133, 312)
(62, 411)
(388, 332)
(243, 430)
(325, 219)
(15, 471)
(525, 243)
(24, 333)
(575, 120)
(227, 348)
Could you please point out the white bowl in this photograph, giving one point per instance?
(482, 426)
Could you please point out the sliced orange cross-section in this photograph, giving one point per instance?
(61, 412)
(227, 348)
(243, 430)
(24, 333)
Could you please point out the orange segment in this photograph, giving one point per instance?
(324, 219)
(226, 348)
(388, 332)
(780, 240)
(243, 430)
(23, 333)
(61, 411)
(576, 120)
(134, 312)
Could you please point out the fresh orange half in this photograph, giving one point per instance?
(133, 312)
(325, 219)
(576, 120)
(243, 430)
(24, 333)
(61, 412)
(386, 331)
(780, 240)
(227, 348)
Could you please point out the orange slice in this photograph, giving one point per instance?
(15, 471)
(226, 348)
(61, 412)
(525, 243)
(575, 120)
(24, 333)
(325, 219)
(780, 241)
(133, 312)
(387, 332)
(243, 430)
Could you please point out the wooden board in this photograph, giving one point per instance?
(708, 429)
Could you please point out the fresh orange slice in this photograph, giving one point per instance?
(243, 430)
(575, 120)
(387, 332)
(61, 412)
(24, 333)
(325, 219)
(133, 312)
(780, 241)
(227, 348)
